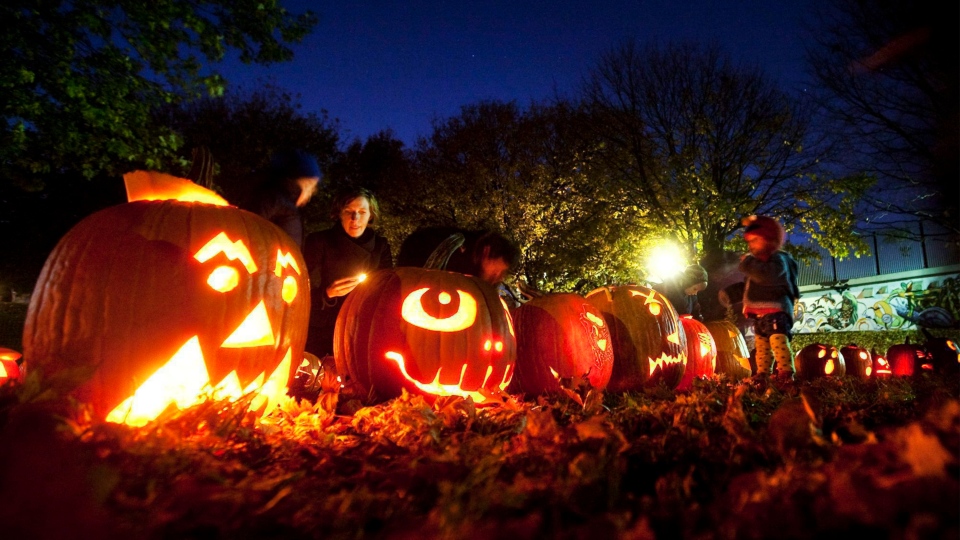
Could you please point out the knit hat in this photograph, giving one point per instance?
(765, 227)
(692, 275)
(293, 164)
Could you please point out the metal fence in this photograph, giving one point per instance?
(929, 248)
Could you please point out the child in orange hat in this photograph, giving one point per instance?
(769, 295)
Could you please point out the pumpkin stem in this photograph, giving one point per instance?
(441, 255)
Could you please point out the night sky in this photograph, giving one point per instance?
(383, 64)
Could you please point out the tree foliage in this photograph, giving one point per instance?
(700, 143)
(528, 174)
(243, 129)
(887, 74)
(79, 80)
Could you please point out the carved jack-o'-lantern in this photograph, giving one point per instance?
(10, 369)
(166, 299)
(733, 357)
(907, 359)
(432, 332)
(701, 352)
(560, 336)
(649, 346)
(819, 360)
(881, 368)
(858, 360)
(942, 353)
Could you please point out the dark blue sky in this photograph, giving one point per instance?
(399, 64)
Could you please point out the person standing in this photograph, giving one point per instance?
(769, 295)
(287, 184)
(338, 258)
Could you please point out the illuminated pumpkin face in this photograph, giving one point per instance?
(819, 360)
(432, 332)
(701, 352)
(159, 301)
(907, 360)
(859, 361)
(943, 354)
(649, 345)
(560, 336)
(10, 368)
(733, 357)
(881, 368)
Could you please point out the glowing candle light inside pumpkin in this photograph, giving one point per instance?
(436, 388)
(361, 278)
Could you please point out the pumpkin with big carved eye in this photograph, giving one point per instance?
(858, 360)
(908, 359)
(701, 352)
(167, 299)
(560, 336)
(649, 346)
(733, 357)
(819, 360)
(431, 332)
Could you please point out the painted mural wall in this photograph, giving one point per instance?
(927, 302)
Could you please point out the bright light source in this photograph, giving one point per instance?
(665, 261)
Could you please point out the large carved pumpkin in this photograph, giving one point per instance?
(819, 360)
(881, 368)
(649, 346)
(907, 359)
(942, 353)
(560, 336)
(733, 357)
(701, 352)
(168, 298)
(858, 360)
(431, 332)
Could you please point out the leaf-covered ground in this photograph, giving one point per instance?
(726, 460)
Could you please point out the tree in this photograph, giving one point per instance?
(528, 174)
(888, 74)
(699, 143)
(242, 130)
(79, 80)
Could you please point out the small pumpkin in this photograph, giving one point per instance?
(701, 352)
(733, 357)
(649, 346)
(881, 367)
(942, 353)
(908, 359)
(819, 360)
(560, 336)
(167, 299)
(10, 368)
(431, 332)
(858, 360)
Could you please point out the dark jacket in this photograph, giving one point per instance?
(684, 304)
(331, 255)
(277, 203)
(771, 285)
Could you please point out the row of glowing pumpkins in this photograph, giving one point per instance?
(176, 295)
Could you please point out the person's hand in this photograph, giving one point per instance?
(342, 287)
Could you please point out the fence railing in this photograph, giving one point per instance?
(927, 248)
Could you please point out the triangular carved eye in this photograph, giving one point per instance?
(414, 312)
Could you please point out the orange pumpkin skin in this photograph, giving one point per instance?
(733, 357)
(701, 352)
(649, 346)
(858, 360)
(410, 328)
(818, 360)
(907, 360)
(560, 336)
(123, 291)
